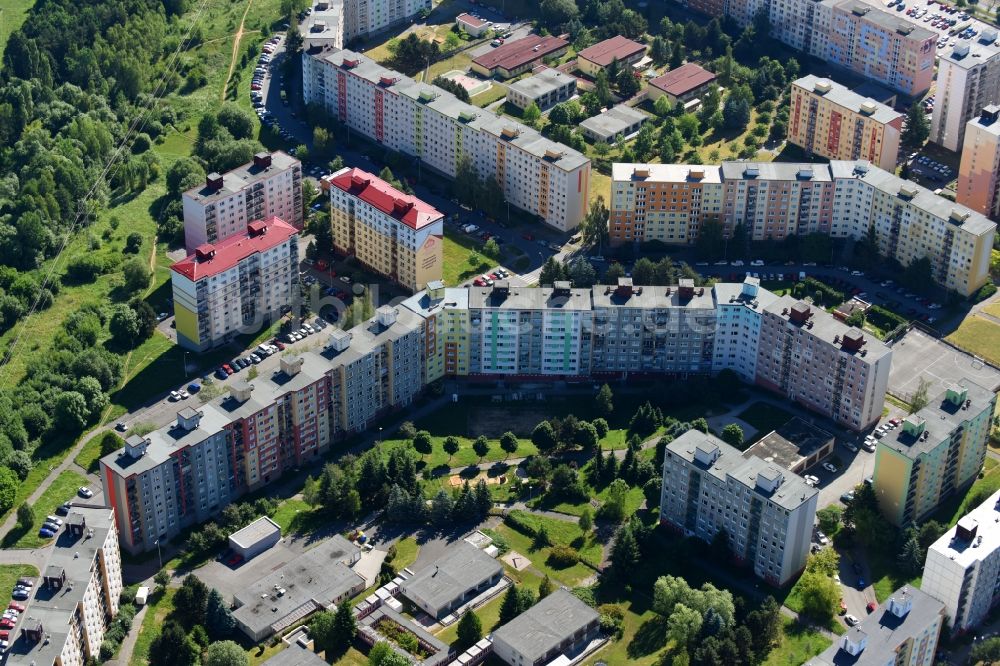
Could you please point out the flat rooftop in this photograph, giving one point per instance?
(984, 542)
(888, 21)
(847, 99)
(614, 120)
(823, 325)
(790, 444)
(545, 81)
(243, 176)
(545, 625)
(528, 298)
(649, 297)
(666, 173)
(463, 567)
(295, 655)
(255, 531)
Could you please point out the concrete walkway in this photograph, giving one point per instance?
(128, 645)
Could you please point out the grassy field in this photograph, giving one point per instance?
(458, 249)
(63, 488)
(407, 551)
(465, 456)
(798, 644)
(160, 605)
(288, 514)
(12, 15)
(978, 336)
(90, 454)
(993, 309)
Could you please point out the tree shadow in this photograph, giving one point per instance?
(649, 638)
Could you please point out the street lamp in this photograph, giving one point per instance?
(185, 368)
(158, 555)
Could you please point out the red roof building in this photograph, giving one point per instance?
(682, 84)
(211, 259)
(595, 58)
(374, 191)
(519, 56)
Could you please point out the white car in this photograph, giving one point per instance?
(850, 447)
(830, 467)
(85, 492)
(809, 478)
(821, 538)
(851, 620)
(185, 395)
(175, 396)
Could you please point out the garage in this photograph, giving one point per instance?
(255, 538)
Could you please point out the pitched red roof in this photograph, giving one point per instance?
(521, 51)
(618, 47)
(469, 19)
(211, 259)
(684, 79)
(374, 191)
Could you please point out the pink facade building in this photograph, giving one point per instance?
(980, 167)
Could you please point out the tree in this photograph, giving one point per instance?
(586, 520)
(628, 83)
(531, 114)
(920, 397)
(764, 624)
(625, 552)
(917, 129)
(321, 631)
(345, 628)
(137, 274)
(237, 120)
(829, 518)
(986, 651)
(133, 243)
(219, 620)
(819, 594)
(382, 654)
(226, 653)
(736, 112)
(856, 319)
(594, 227)
(451, 445)
(470, 630)
(585, 436)
(508, 442)
(71, 412)
(481, 446)
(545, 588)
(732, 434)
(614, 507)
(191, 601)
(544, 436)
(161, 578)
(910, 558)
(683, 624)
(184, 174)
(552, 271)
(491, 249)
(602, 89)
(515, 601)
(557, 13)
(25, 516)
(422, 443)
(173, 648)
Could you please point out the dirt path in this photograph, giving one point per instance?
(236, 50)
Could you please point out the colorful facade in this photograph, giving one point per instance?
(542, 177)
(979, 170)
(968, 80)
(394, 234)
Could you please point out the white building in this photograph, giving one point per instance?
(767, 512)
(544, 88)
(963, 567)
(739, 309)
(270, 185)
(537, 175)
(968, 79)
(324, 27)
(77, 598)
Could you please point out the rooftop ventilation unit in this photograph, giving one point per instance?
(823, 86)
(868, 107)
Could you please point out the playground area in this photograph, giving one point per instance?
(472, 85)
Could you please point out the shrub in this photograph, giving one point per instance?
(563, 556)
(986, 291)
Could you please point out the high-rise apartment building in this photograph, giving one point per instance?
(445, 315)
(979, 171)
(830, 120)
(236, 285)
(70, 611)
(902, 631)
(845, 199)
(968, 79)
(814, 359)
(443, 133)
(766, 511)
(739, 309)
(963, 567)
(395, 234)
(334, 23)
(269, 186)
(936, 452)
(184, 473)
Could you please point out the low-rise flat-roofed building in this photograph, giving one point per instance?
(766, 511)
(552, 631)
(545, 88)
(255, 538)
(620, 120)
(937, 451)
(455, 578)
(902, 631)
(599, 57)
(473, 25)
(71, 608)
(963, 567)
(795, 446)
(315, 580)
(518, 56)
(295, 655)
(682, 85)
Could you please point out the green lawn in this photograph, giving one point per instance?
(798, 644)
(978, 336)
(290, 514)
(956, 507)
(90, 454)
(159, 606)
(794, 601)
(560, 532)
(12, 14)
(406, 553)
(489, 616)
(63, 488)
(466, 455)
(459, 248)
(765, 417)
(497, 91)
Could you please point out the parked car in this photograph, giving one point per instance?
(850, 447)
(871, 607)
(20, 594)
(861, 583)
(843, 607)
(174, 396)
(63, 509)
(54, 519)
(851, 620)
(847, 497)
(46, 533)
(16, 606)
(85, 492)
(830, 467)
(822, 538)
(121, 426)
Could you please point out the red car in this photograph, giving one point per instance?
(6, 623)
(279, 344)
(871, 607)
(16, 606)
(228, 368)
(478, 282)
(843, 607)
(495, 277)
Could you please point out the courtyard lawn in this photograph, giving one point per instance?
(159, 606)
(466, 456)
(63, 488)
(794, 601)
(979, 336)
(290, 514)
(523, 544)
(489, 616)
(496, 92)
(458, 250)
(9, 573)
(765, 417)
(799, 642)
(407, 551)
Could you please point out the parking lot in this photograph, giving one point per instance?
(920, 355)
(932, 170)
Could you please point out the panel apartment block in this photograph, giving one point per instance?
(814, 359)
(739, 309)
(979, 170)
(73, 605)
(184, 473)
(766, 511)
(444, 312)
(395, 234)
(236, 285)
(963, 567)
(537, 175)
(936, 452)
(829, 120)
(968, 79)
(269, 186)
(845, 199)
